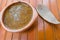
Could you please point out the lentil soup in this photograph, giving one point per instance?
(17, 16)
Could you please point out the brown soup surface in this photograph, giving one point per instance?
(17, 15)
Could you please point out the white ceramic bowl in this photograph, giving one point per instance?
(25, 27)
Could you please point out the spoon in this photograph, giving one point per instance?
(46, 14)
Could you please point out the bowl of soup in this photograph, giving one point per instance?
(18, 16)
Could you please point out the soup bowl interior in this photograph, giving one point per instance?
(34, 16)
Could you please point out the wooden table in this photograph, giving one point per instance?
(40, 29)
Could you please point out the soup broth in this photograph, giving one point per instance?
(17, 15)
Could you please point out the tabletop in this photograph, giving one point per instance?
(40, 29)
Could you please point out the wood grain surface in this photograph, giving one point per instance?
(40, 29)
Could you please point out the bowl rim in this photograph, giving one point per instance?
(27, 26)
